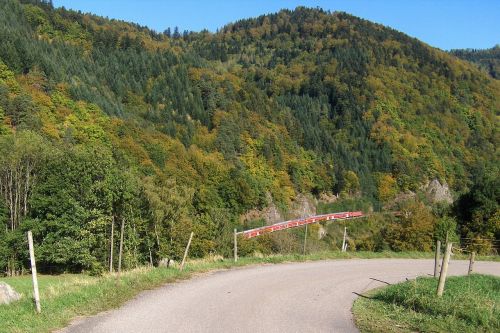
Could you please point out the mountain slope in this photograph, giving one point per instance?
(489, 59)
(169, 134)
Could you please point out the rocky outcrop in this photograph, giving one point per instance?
(8, 294)
(270, 214)
(302, 206)
(434, 191)
(437, 192)
(328, 197)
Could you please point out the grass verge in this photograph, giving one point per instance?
(67, 296)
(469, 304)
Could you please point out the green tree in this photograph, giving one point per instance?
(351, 183)
(169, 205)
(414, 230)
(478, 210)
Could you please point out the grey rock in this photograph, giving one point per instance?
(328, 197)
(8, 294)
(166, 262)
(302, 206)
(438, 192)
(270, 214)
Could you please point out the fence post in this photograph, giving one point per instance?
(305, 241)
(471, 262)
(235, 246)
(111, 243)
(36, 294)
(186, 251)
(444, 270)
(150, 258)
(344, 248)
(436, 258)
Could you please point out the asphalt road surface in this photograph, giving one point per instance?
(296, 297)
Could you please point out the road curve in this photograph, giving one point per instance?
(295, 297)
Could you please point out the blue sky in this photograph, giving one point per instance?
(446, 24)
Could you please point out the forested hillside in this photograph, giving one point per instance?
(107, 124)
(488, 59)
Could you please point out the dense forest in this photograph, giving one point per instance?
(488, 59)
(110, 129)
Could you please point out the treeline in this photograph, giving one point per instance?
(488, 59)
(106, 123)
(73, 196)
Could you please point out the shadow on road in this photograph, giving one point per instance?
(361, 295)
(387, 283)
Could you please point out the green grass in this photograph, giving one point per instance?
(67, 296)
(469, 304)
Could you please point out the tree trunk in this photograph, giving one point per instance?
(157, 237)
(136, 256)
(17, 191)
(26, 188)
(121, 246)
(11, 201)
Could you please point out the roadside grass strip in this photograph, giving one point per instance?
(469, 304)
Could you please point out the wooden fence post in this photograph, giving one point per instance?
(344, 248)
(111, 243)
(235, 246)
(36, 294)
(436, 258)
(305, 241)
(186, 251)
(444, 270)
(471, 262)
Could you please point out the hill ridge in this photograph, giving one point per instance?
(189, 131)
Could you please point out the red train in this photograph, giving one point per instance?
(299, 222)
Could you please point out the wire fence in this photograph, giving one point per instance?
(469, 245)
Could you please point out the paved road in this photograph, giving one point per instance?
(295, 297)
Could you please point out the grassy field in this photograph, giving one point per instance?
(67, 296)
(469, 304)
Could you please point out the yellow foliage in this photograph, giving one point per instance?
(7, 77)
(387, 187)
(351, 183)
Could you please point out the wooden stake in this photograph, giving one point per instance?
(436, 258)
(122, 231)
(111, 243)
(471, 262)
(235, 246)
(36, 294)
(305, 241)
(186, 251)
(343, 241)
(444, 270)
